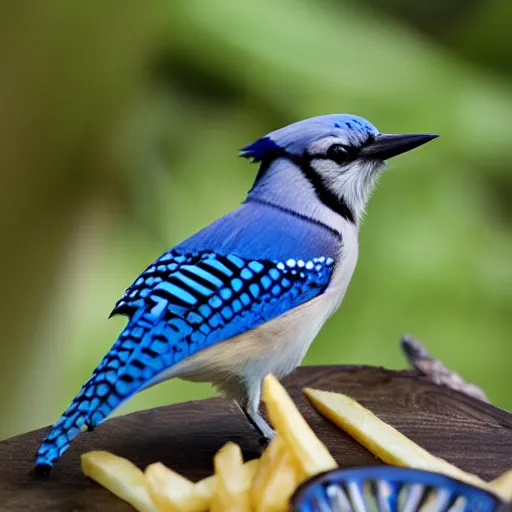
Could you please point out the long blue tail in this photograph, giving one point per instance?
(109, 386)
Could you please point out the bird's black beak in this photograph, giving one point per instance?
(386, 145)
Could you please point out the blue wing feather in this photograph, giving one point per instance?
(179, 305)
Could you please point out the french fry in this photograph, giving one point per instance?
(172, 492)
(503, 485)
(266, 484)
(383, 440)
(280, 484)
(206, 487)
(267, 462)
(120, 477)
(309, 452)
(232, 486)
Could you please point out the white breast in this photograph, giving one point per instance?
(277, 346)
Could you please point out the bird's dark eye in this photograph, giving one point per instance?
(338, 154)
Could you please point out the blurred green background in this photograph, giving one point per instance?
(120, 123)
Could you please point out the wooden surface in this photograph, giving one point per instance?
(471, 434)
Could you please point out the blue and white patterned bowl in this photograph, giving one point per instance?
(391, 489)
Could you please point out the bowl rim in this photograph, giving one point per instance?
(363, 473)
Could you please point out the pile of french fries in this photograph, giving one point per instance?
(266, 484)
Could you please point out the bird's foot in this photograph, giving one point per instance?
(263, 442)
(264, 430)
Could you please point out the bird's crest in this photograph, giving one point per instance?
(259, 148)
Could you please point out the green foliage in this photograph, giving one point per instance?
(129, 128)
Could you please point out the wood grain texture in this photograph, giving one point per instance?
(472, 434)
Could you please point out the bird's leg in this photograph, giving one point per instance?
(261, 426)
(250, 408)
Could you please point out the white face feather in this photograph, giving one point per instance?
(353, 182)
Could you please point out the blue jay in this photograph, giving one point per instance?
(246, 295)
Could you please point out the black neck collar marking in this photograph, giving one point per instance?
(298, 215)
(333, 202)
